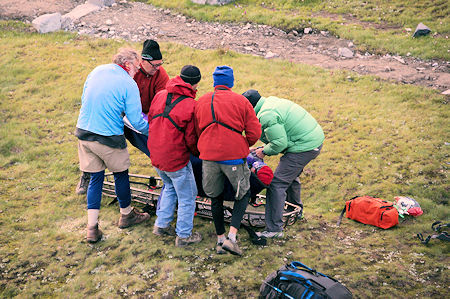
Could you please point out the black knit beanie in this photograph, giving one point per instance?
(252, 96)
(190, 74)
(151, 51)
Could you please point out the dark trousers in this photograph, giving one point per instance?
(138, 140)
(286, 186)
(237, 215)
(122, 188)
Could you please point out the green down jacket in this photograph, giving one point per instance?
(287, 127)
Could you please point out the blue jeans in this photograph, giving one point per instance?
(179, 186)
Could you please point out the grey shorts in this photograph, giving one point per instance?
(95, 157)
(214, 178)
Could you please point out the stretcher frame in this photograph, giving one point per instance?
(146, 190)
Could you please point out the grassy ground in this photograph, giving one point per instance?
(374, 25)
(382, 140)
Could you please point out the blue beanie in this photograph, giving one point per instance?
(223, 75)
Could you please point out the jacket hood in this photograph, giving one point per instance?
(259, 104)
(178, 86)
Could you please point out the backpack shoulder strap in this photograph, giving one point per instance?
(169, 106)
(215, 121)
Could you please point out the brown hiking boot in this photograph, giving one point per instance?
(166, 231)
(93, 234)
(132, 218)
(193, 238)
(219, 249)
(231, 247)
(83, 184)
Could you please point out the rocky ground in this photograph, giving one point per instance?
(137, 21)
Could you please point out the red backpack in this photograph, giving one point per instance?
(370, 210)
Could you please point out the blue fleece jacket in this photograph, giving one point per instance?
(108, 92)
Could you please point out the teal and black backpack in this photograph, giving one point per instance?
(298, 281)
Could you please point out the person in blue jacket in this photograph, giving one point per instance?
(109, 93)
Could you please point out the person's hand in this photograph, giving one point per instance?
(259, 152)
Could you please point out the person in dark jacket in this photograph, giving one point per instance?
(109, 91)
(289, 130)
(171, 140)
(227, 126)
(151, 78)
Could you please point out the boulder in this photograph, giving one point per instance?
(345, 52)
(421, 30)
(212, 2)
(47, 23)
(101, 3)
(77, 13)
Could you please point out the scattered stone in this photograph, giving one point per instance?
(421, 30)
(307, 30)
(212, 2)
(270, 55)
(388, 69)
(420, 69)
(345, 52)
(248, 48)
(399, 59)
(47, 23)
(108, 22)
(408, 29)
(350, 44)
(447, 92)
(324, 33)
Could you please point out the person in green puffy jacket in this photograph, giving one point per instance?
(287, 129)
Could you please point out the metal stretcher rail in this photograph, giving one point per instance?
(146, 190)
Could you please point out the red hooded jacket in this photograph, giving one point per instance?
(169, 147)
(216, 142)
(149, 86)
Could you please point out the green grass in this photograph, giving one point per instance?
(374, 25)
(382, 139)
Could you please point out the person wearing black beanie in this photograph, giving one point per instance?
(171, 140)
(190, 74)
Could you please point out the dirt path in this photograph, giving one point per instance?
(138, 21)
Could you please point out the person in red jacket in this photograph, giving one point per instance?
(151, 78)
(227, 126)
(171, 140)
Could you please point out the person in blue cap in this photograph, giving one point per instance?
(222, 117)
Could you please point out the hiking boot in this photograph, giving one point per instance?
(193, 238)
(166, 231)
(93, 234)
(132, 218)
(219, 249)
(83, 184)
(231, 247)
(270, 235)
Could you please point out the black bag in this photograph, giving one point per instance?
(297, 281)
